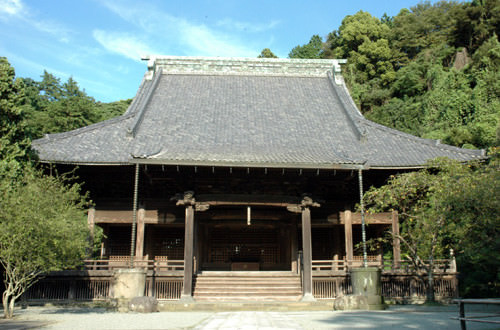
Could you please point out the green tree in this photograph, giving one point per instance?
(14, 138)
(42, 229)
(448, 205)
(266, 53)
(363, 40)
(422, 27)
(58, 108)
(112, 109)
(311, 50)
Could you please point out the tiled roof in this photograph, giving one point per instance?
(244, 112)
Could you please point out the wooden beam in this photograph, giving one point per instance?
(376, 218)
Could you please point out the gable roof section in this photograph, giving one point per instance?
(244, 112)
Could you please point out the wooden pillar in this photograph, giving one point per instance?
(187, 290)
(348, 237)
(104, 244)
(189, 202)
(91, 225)
(307, 254)
(304, 209)
(139, 242)
(305, 205)
(395, 240)
(293, 246)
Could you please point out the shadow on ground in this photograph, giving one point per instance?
(18, 325)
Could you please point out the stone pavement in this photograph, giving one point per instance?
(405, 317)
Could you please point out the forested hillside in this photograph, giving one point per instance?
(431, 70)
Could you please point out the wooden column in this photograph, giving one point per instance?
(348, 236)
(307, 202)
(187, 290)
(189, 203)
(91, 225)
(307, 254)
(139, 242)
(395, 240)
(293, 245)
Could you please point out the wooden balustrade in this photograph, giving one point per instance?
(338, 266)
(159, 264)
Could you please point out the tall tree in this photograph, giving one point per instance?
(14, 138)
(313, 49)
(267, 53)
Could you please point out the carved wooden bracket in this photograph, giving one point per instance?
(200, 207)
(308, 202)
(187, 200)
(305, 203)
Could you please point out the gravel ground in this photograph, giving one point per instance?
(95, 318)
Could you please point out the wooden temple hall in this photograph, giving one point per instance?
(238, 178)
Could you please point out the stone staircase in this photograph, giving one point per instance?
(247, 286)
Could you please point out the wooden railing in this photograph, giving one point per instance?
(340, 266)
(160, 264)
(399, 288)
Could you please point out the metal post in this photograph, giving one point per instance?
(362, 209)
(134, 216)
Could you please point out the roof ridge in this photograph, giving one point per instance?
(242, 65)
(132, 109)
(429, 142)
(361, 133)
(141, 107)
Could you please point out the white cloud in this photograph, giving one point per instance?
(11, 7)
(177, 35)
(124, 44)
(15, 9)
(231, 24)
(52, 28)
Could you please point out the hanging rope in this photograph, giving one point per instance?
(134, 216)
(363, 229)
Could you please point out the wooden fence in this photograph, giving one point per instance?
(93, 282)
(342, 266)
(158, 265)
(395, 287)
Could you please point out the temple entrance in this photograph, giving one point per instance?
(236, 246)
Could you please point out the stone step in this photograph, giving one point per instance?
(282, 286)
(245, 305)
(269, 274)
(215, 291)
(247, 286)
(245, 282)
(247, 298)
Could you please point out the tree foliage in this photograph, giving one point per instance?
(14, 137)
(42, 220)
(54, 107)
(42, 229)
(432, 70)
(448, 205)
(313, 49)
(266, 53)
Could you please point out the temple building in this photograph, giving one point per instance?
(224, 171)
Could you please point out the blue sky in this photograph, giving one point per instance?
(100, 42)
